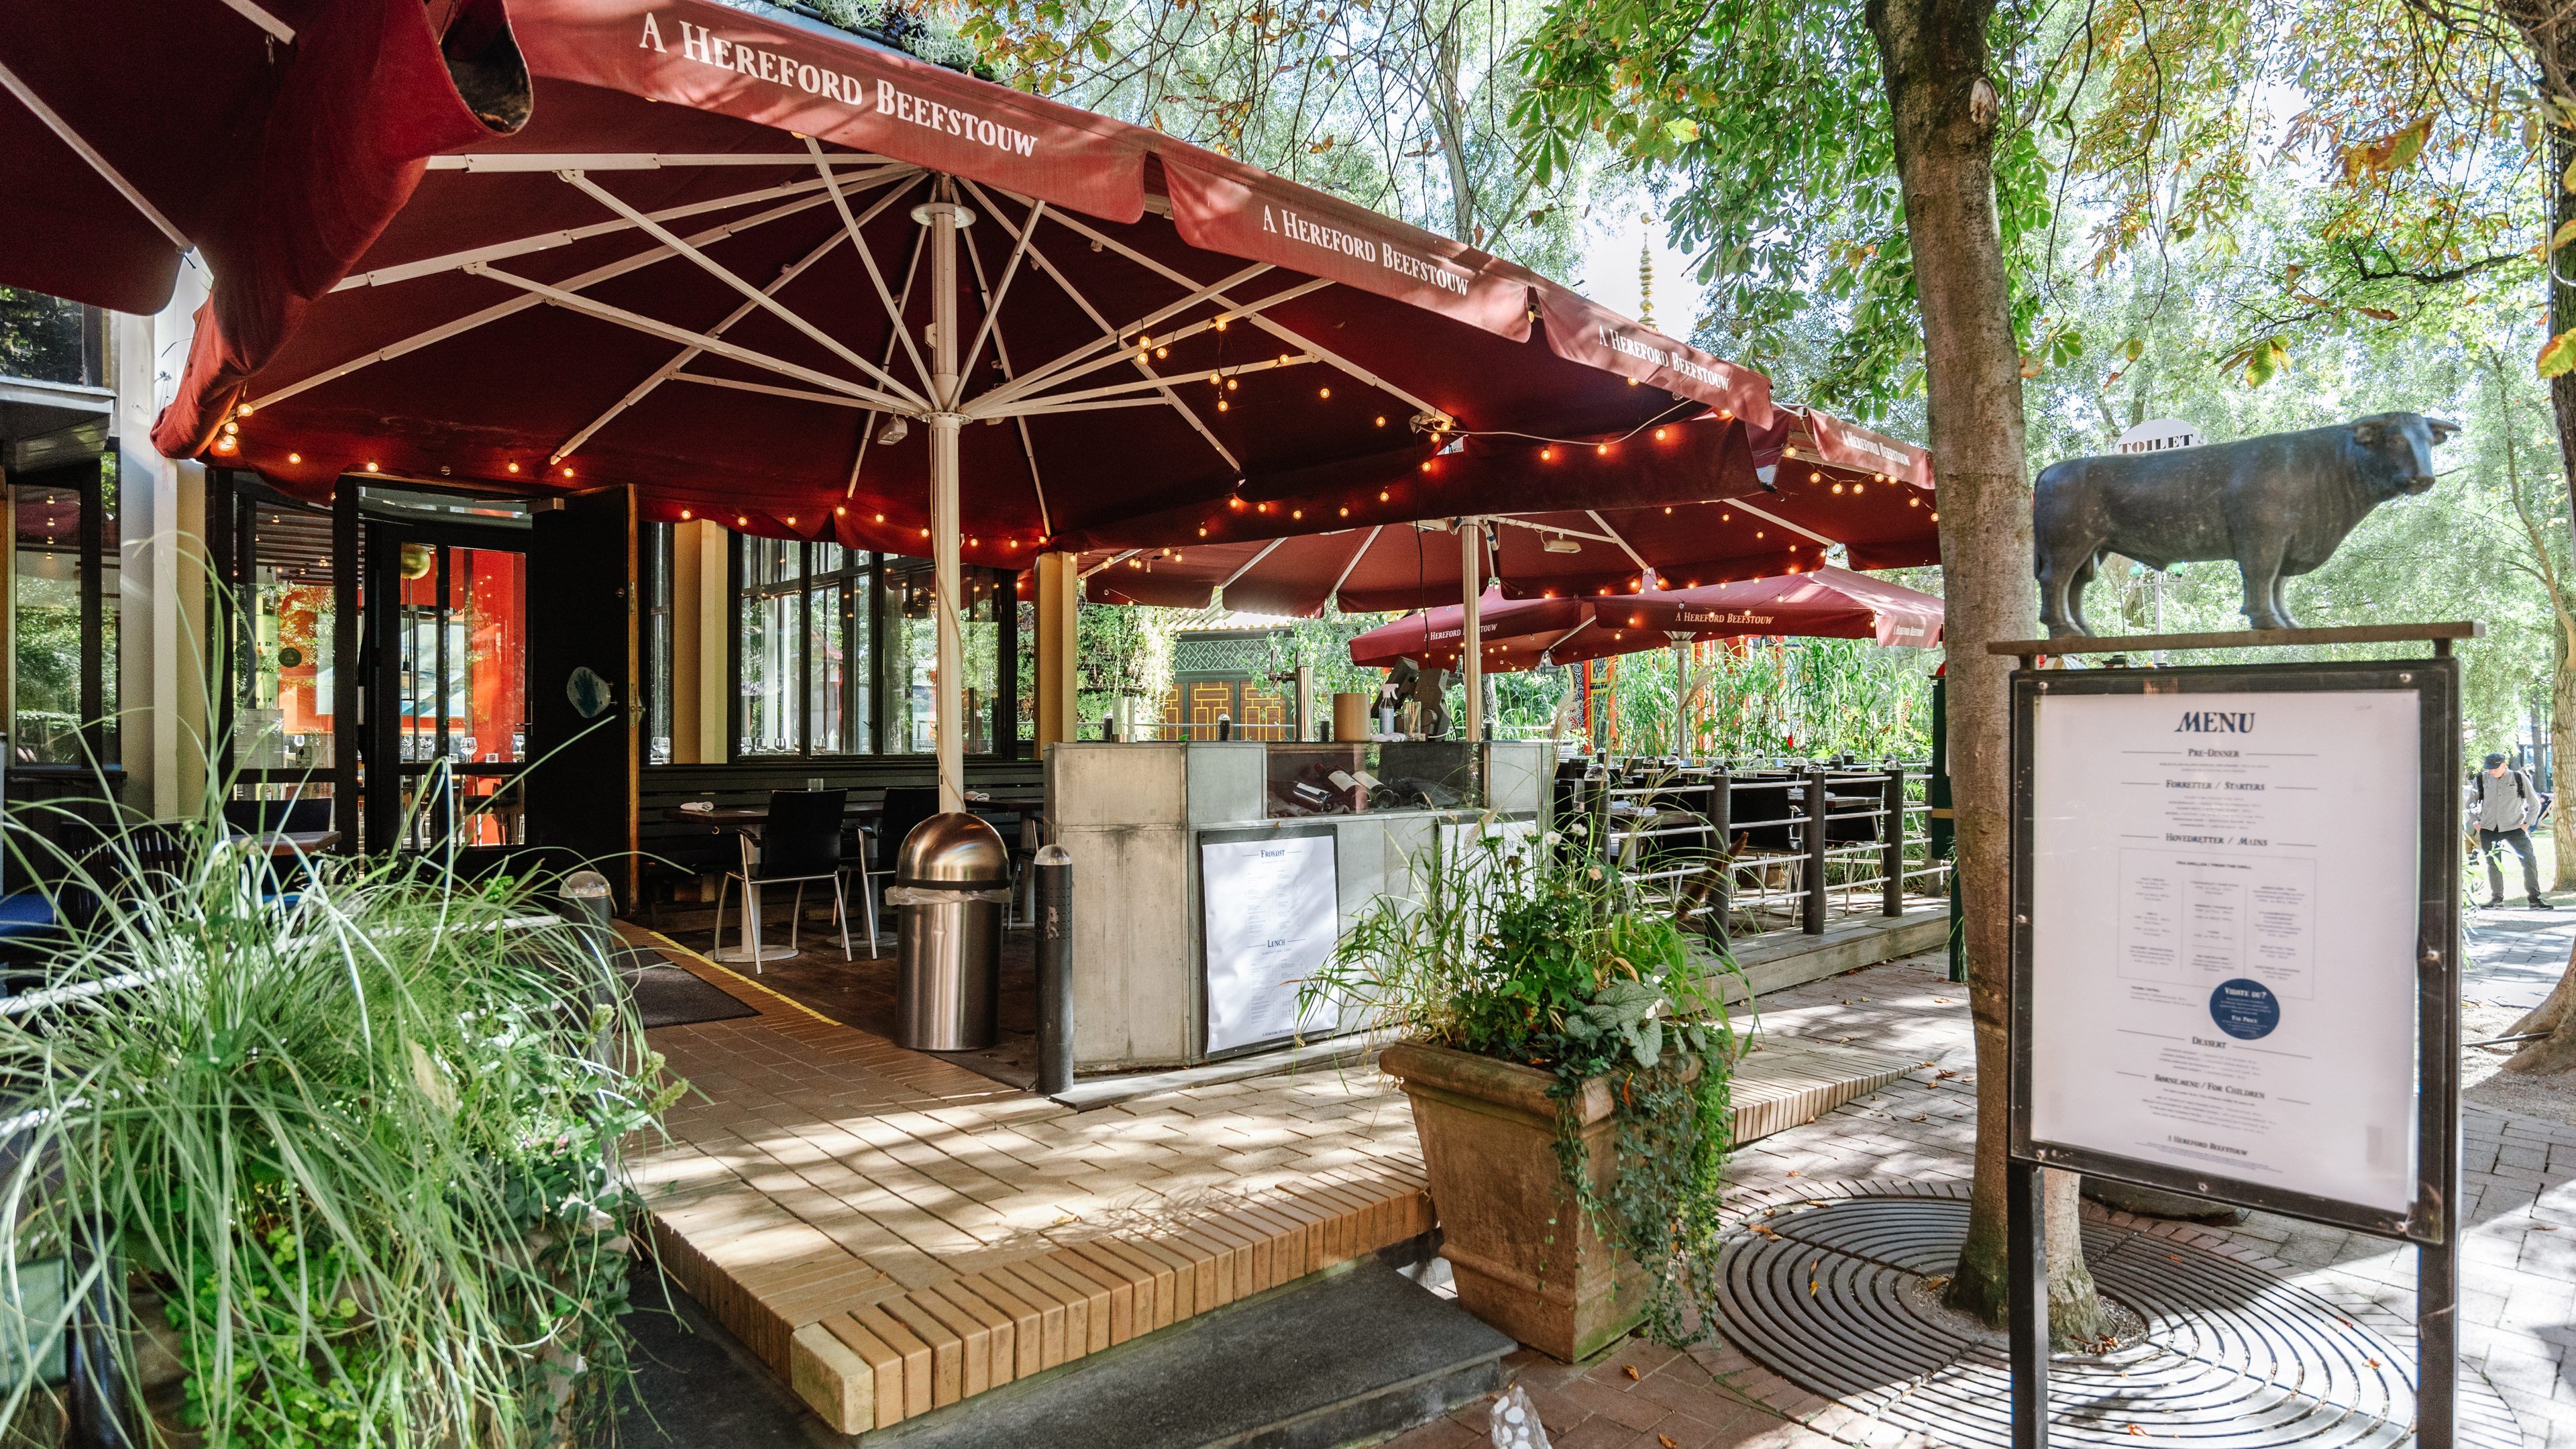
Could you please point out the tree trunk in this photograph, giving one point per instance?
(1934, 57)
(2562, 747)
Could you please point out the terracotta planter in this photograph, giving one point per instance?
(1489, 1144)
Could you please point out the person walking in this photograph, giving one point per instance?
(2502, 805)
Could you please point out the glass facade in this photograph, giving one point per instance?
(801, 675)
(835, 653)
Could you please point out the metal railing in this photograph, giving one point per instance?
(1746, 842)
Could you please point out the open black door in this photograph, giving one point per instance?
(582, 673)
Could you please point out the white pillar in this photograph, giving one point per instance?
(1471, 641)
(159, 511)
(944, 218)
(1681, 693)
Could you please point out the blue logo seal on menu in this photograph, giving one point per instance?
(2245, 1010)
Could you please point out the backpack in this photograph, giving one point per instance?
(2521, 785)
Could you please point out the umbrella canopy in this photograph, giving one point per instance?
(1683, 505)
(275, 137)
(772, 275)
(686, 271)
(1432, 636)
(1831, 603)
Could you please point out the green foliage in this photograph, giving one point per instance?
(39, 336)
(362, 1143)
(1529, 950)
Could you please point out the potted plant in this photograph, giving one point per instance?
(1567, 1054)
(336, 1159)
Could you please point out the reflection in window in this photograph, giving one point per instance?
(912, 655)
(803, 670)
(66, 606)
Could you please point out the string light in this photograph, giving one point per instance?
(567, 472)
(791, 520)
(1237, 502)
(1838, 488)
(1220, 404)
(684, 515)
(1381, 495)
(1659, 435)
(1325, 393)
(1815, 477)
(1856, 488)
(1602, 449)
(837, 512)
(1202, 530)
(371, 465)
(243, 411)
(925, 533)
(1668, 508)
(1162, 352)
(1296, 513)
(1546, 454)
(1913, 502)
(1381, 422)
(1346, 513)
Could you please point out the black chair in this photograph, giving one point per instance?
(905, 807)
(801, 842)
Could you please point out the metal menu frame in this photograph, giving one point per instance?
(2436, 686)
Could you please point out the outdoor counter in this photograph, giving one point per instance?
(1139, 821)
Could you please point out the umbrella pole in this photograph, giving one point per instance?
(949, 692)
(1681, 696)
(1471, 643)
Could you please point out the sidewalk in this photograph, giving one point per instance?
(2519, 1276)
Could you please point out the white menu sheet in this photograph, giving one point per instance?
(1273, 913)
(2223, 935)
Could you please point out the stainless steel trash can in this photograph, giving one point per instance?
(952, 880)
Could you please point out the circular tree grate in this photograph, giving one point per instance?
(1835, 1298)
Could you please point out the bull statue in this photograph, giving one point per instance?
(2279, 505)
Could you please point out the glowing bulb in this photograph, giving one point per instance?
(1324, 392)
(791, 520)
(684, 515)
(1936, 515)
(1346, 513)
(1668, 508)
(1838, 488)
(1546, 454)
(1856, 487)
(1297, 513)
(925, 533)
(1202, 530)
(1815, 477)
(1381, 495)
(567, 472)
(1381, 422)
(741, 522)
(1162, 352)
(1659, 435)
(1220, 404)
(232, 427)
(1602, 449)
(1232, 383)
(837, 512)
(514, 467)
(1215, 378)
(371, 465)
(243, 411)
(1237, 502)
(1426, 467)
(295, 457)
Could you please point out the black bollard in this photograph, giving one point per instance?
(1055, 969)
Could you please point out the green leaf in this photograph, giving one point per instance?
(2558, 356)
(2566, 233)
(2133, 348)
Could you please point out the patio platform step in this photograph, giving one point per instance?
(1789, 1081)
(879, 1358)
(1778, 960)
(1341, 1357)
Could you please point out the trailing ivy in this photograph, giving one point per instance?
(1527, 949)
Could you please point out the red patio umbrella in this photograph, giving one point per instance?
(275, 137)
(1772, 508)
(1831, 603)
(745, 263)
(1432, 636)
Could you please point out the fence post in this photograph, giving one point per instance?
(1892, 854)
(1817, 829)
(1721, 823)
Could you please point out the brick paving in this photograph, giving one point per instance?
(2518, 1304)
(857, 1172)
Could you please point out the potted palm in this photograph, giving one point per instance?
(1567, 1052)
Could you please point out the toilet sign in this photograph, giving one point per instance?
(2156, 435)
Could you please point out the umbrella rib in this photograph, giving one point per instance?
(1092, 407)
(1248, 563)
(498, 161)
(1776, 518)
(1595, 515)
(684, 356)
(868, 425)
(1335, 591)
(1109, 332)
(836, 399)
(1276, 329)
(1517, 521)
(868, 259)
(1051, 400)
(723, 274)
(688, 354)
(604, 272)
(1071, 365)
(1002, 353)
(63, 132)
(1107, 562)
(284, 32)
(668, 332)
(430, 266)
(996, 296)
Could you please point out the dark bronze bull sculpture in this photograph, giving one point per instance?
(2279, 505)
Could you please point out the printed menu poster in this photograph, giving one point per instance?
(1273, 913)
(2223, 935)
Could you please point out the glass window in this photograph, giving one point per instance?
(66, 604)
(802, 672)
(911, 662)
(282, 716)
(653, 548)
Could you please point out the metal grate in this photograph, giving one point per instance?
(1841, 1303)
